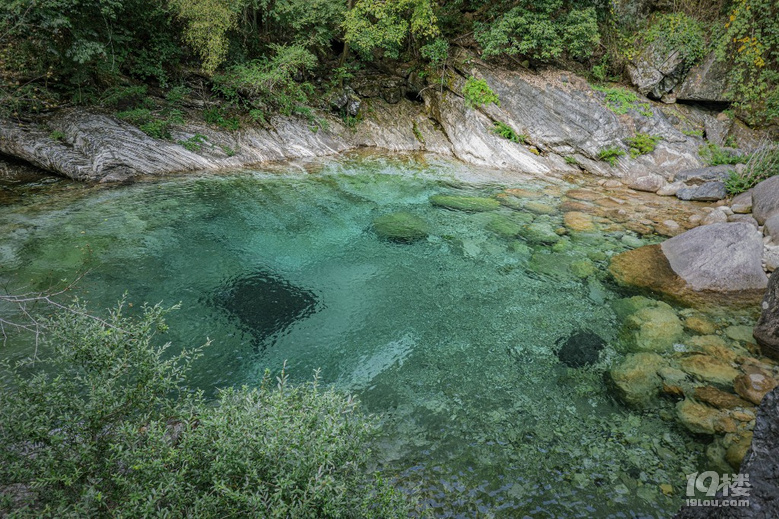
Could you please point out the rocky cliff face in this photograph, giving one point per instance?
(562, 116)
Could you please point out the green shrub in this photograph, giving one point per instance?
(218, 116)
(642, 143)
(571, 161)
(621, 101)
(478, 93)
(105, 426)
(675, 32)
(763, 164)
(505, 131)
(57, 135)
(611, 155)
(194, 143)
(715, 155)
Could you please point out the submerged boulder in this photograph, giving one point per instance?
(400, 227)
(635, 380)
(465, 203)
(580, 349)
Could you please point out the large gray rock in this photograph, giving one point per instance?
(765, 199)
(654, 72)
(701, 175)
(706, 81)
(723, 257)
(760, 464)
(708, 192)
(767, 329)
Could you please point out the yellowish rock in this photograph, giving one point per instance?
(539, 207)
(700, 325)
(737, 450)
(754, 386)
(710, 369)
(702, 419)
(577, 221)
(713, 345)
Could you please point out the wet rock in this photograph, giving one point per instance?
(400, 227)
(719, 399)
(579, 349)
(708, 192)
(754, 387)
(635, 380)
(583, 268)
(539, 207)
(742, 204)
(702, 419)
(540, 233)
(508, 226)
(739, 333)
(765, 199)
(713, 345)
(700, 325)
(766, 331)
(656, 328)
(465, 203)
(710, 369)
(577, 221)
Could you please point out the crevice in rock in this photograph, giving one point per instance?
(714, 106)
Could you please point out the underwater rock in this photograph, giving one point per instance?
(539, 207)
(400, 227)
(754, 386)
(702, 419)
(718, 398)
(653, 328)
(580, 349)
(509, 226)
(635, 380)
(540, 233)
(577, 221)
(737, 447)
(700, 325)
(710, 369)
(465, 203)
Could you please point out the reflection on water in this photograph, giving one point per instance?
(453, 339)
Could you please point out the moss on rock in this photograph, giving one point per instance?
(465, 203)
(401, 227)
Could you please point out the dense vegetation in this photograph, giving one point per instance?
(262, 56)
(104, 425)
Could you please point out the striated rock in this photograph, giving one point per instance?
(766, 330)
(754, 386)
(706, 81)
(719, 399)
(697, 176)
(708, 192)
(765, 199)
(635, 380)
(710, 369)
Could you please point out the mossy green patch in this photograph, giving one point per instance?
(401, 227)
(509, 226)
(465, 203)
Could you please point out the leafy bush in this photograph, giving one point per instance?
(104, 426)
(642, 143)
(194, 143)
(763, 164)
(675, 32)
(543, 31)
(478, 93)
(218, 116)
(611, 155)
(715, 155)
(507, 132)
(621, 101)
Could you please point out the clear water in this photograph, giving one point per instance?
(450, 339)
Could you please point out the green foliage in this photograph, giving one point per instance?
(543, 31)
(218, 116)
(194, 143)
(269, 83)
(124, 96)
(763, 164)
(230, 152)
(478, 93)
(154, 123)
(693, 133)
(642, 143)
(715, 155)
(674, 32)
(750, 46)
(621, 101)
(57, 135)
(611, 155)
(571, 161)
(105, 426)
(505, 131)
(387, 25)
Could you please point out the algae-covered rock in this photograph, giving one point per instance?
(702, 419)
(401, 227)
(710, 369)
(509, 226)
(465, 203)
(540, 233)
(583, 268)
(635, 380)
(653, 328)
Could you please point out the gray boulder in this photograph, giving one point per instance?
(765, 199)
(742, 204)
(771, 227)
(767, 329)
(722, 257)
(655, 73)
(761, 465)
(701, 175)
(708, 192)
(706, 81)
